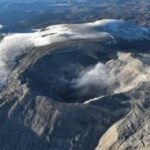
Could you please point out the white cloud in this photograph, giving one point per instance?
(1, 26)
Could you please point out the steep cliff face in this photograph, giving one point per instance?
(76, 94)
(132, 132)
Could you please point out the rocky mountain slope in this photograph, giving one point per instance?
(76, 87)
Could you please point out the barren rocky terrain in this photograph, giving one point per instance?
(78, 86)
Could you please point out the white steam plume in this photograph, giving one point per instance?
(120, 75)
(94, 76)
